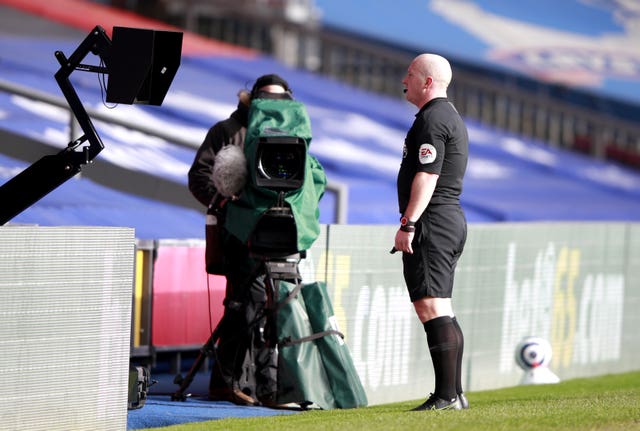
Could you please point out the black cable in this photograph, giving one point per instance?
(102, 81)
(209, 304)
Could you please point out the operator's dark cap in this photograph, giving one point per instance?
(271, 79)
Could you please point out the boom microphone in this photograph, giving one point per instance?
(230, 171)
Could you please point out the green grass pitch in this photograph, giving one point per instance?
(610, 402)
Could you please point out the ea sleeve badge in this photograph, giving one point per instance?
(426, 154)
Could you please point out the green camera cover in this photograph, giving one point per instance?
(272, 118)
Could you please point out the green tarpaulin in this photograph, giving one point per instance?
(314, 362)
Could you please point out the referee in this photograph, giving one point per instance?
(433, 227)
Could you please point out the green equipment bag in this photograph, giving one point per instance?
(314, 362)
(343, 378)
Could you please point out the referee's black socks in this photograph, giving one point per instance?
(460, 337)
(442, 338)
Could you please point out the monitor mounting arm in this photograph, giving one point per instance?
(51, 171)
(97, 43)
(141, 64)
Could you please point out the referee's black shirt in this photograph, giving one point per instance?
(437, 143)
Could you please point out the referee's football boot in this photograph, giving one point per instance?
(435, 403)
(464, 403)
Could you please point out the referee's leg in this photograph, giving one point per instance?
(436, 315)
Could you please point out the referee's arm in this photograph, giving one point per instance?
(422, 189)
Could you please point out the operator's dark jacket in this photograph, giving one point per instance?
(231, 131)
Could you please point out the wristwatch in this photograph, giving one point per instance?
(407, 225)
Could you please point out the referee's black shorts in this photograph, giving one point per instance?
(439, 240)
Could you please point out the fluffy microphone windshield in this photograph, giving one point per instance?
(230, 170)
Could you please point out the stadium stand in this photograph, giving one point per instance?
(357, 137)
(568, 79)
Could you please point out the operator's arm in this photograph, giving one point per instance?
(201, 171)
(422, 189)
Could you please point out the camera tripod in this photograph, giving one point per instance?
(275, 269)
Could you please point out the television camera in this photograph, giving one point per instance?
(278, 167)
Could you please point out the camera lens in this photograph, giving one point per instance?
(279, 163)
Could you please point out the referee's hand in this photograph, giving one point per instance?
(403, 241)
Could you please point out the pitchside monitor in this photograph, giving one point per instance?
(142, 65)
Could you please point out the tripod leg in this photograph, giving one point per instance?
(271, 288)
(205, 351)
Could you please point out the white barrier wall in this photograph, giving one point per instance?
(65, 320)
(575, 284)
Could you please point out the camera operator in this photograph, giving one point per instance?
(241, 349)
